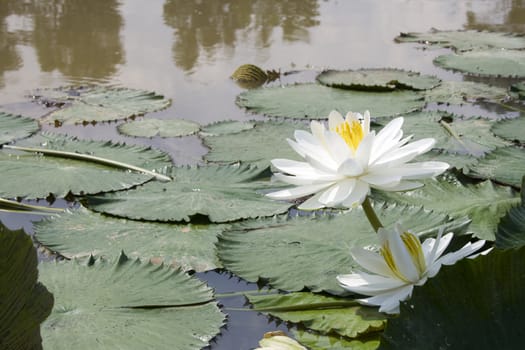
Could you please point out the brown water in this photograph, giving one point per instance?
(186, 50)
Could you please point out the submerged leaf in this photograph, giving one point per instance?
(226, 127)
(501, 63)
(324, 314)
(219, 193)
(474, 304)
(15, 127)
(377, 80)
(82, 233)
(315, 101)
(309, 252)
(511, 228)
(97, 104)
(24, 303)
(157, 127)
(127, 304)
(463, 40)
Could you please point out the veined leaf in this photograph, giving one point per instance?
(15, 127)
(151, 127)
(377, 80)
(309, 252)
(315, 101)
(226, 127)
(219, 193)
(82, 233)
(128, 304)
(96, 104)
(321, 313)
(511, 130)
(461, 92)
(505, 165)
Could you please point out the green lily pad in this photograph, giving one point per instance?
(500, 63)
(35, 176)
(377, 80)
(518, 89)
(264, 142)
(127, 304)
(474, 304)
(321, 313)
(157, 127)
(24, 302)
(471, 137)
(315, 101)
(505, 165)
(484, 203)
(226, 127)
(463, 40)
(511, 130)
(91, 104)
(83, 233)
(219, 193)
(511, 228)
(15, 127)
(461, 92)
(316, 341)
(309, 252)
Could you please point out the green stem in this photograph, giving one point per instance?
(87, 157)
(371, 215)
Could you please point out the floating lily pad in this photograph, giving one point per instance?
(264, 142)
(35, 176)
(316, 341)
(505, 165)
(377, 80)
(309, 252)
(511, 228)
(24, 302)
(315, 101)
(460, 92)
(518, 89)
(15, 127)
(127, 304)
(471, 137)
(219, 193)
(474, 304)
(321, 313)
(501, 63)
(82, 233)
(463, 40)
(97, 104)
(157, 127)
(484, 203)
(512, 130)
(226, 127)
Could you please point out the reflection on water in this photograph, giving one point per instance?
(203, 26)
(503, 15)
(9, 57)
(78, 38)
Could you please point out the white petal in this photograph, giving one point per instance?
(466, 250)
(334, 119)
(441, 245)
(350, 167)
(402, 186)
(318, 129)
(400, 255)
(371, 261)
(305, 180)
(381, 179)
(312, 203)
(389, 302)
(337, 193)
(364, 150)
(368, 284)
(298, 192)
(292, 167)
(420, 170)
(366, 122)
(386, 139)
(358, 195)
(337, 147)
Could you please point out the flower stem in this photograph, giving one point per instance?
(371, 215)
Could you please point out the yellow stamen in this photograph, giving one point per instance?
(351, 132)
(415, 250)
(389, 259)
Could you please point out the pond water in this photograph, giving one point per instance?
(186, 50)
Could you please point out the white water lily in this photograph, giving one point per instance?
(401, 263)
(342, 163)
(279, 341)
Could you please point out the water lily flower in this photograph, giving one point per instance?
(342, 163)
(401, 263)
(278, 341)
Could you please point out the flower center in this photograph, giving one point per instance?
(352, 132)
(414, 249)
